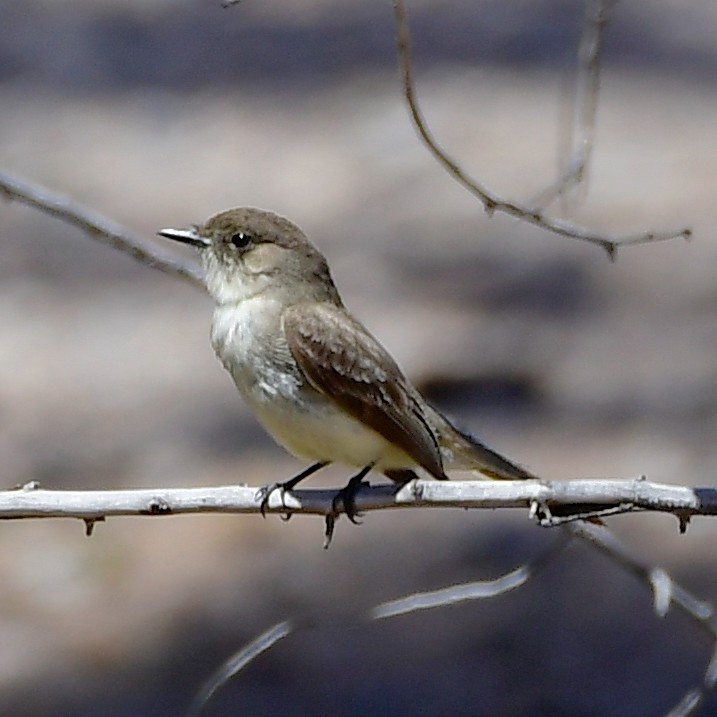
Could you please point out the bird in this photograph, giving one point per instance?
(314, 376)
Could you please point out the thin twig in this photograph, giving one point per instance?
(97, 227)
(238, 661)
(603, 539)
(491, 202)
(581, 136)
(477, 590)
(666, 593)
(702, 613)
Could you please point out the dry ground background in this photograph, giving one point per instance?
(162, 113)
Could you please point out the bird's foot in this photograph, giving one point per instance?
(264, 494)
(346, 499)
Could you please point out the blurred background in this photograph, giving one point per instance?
(159, 113)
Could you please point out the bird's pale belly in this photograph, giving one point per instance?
(326, 433)
(302, 420)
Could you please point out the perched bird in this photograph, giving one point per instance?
(313, 375)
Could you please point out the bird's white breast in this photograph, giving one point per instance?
(249, 340)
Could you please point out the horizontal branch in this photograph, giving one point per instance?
(572, 497)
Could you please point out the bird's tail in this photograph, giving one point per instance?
(463, 452)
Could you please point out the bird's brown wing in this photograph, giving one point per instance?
(344, 362)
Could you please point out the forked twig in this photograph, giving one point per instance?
(491, 202)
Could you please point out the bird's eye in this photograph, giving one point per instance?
(241, 239)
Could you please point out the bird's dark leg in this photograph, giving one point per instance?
(347, 495)
(265, 492)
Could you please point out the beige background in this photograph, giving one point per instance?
(158, 113)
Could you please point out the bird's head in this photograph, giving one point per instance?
(245, 251)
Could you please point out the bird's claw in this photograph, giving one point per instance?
(264, 493)
(346, 498)
(344, 501)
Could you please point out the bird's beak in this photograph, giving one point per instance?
(186, 236)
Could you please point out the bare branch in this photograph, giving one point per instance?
(599, 536)
(666, 593)
(606, 541)
(584, 104)
(491, 202)
(97, 227)
(569, 497)
(477, 590)
(239, 660)
(562, 498)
